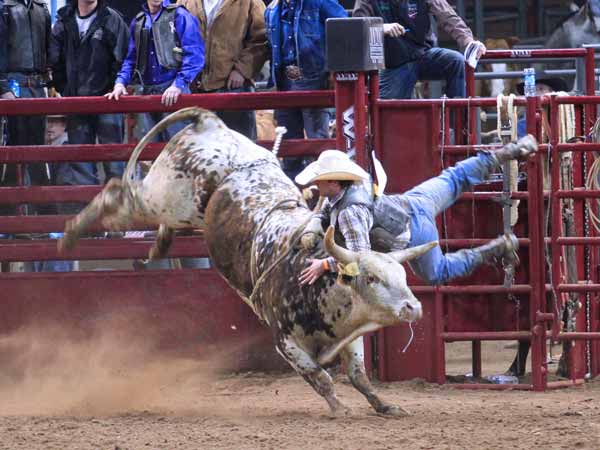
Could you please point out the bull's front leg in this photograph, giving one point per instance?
(315, 375)
(354, 360)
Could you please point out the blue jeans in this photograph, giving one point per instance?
(315, 121)
(436, 64)
(430, 198)
(103, 128)
(146, 121)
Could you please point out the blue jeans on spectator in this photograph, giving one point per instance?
(86, 129)
(429, 199)
(313, 121)
(146, 121)
(436, 64)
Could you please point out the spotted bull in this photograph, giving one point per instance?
(211, 177)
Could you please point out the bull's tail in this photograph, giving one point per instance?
(177, 116)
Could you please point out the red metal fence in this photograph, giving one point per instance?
(413, 140)
(186, 310)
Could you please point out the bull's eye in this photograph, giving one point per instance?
(345, 280)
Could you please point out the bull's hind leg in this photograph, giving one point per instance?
(105, 203)
(164, 239)
(353, 358)
(314, 374)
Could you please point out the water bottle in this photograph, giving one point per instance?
(503, 379)
(15, 87)
(529, 85)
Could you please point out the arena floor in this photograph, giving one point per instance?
(105, 395)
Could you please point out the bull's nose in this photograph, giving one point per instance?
(418, 311)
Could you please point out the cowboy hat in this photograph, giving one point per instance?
(555, 83)
(331, 165)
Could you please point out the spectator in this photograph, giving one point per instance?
(296, 32)
(56, 134)
(410, 45)
(544, 85)
(231, 66)
(88, 46)
(165, 54)
(24, 43)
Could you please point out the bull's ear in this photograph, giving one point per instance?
(414, 252)
(350, 270)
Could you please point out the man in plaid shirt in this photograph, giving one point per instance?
(405, 220)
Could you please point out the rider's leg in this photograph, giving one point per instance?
(439, 193)
(435, 267)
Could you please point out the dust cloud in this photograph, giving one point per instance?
(47, 370)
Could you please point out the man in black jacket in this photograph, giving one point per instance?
(88, 46)
(24, 41)
(411, 53)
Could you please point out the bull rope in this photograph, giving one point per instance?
(294, 239)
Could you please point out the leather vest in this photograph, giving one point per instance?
(28, 29)
(413, 44)
(166, 42)
(390, 212)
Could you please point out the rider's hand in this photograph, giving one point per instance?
(8, 96)
(236, 80)
(117, 91)
(170, 96)
(313, 272)
(393, 29)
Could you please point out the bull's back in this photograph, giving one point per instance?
(235, 216)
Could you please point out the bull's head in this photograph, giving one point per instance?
(381, 296)
(379, 281)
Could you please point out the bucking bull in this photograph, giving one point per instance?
(211, 177)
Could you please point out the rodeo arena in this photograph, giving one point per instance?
(299, 224)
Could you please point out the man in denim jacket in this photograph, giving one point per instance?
(296, 32)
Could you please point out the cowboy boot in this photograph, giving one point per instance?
(519, 150)
(502, 248)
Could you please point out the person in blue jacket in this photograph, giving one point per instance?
(296, 33)
(165, 54)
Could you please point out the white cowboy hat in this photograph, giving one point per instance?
(332, 165)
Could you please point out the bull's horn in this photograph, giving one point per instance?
(339, 253)
(414, 252)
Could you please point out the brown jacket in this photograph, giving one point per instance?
(236, 39)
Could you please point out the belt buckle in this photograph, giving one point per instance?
(293, 73)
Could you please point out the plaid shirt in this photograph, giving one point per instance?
(354, 222)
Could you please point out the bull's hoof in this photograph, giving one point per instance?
(341, 411)
(393, 411)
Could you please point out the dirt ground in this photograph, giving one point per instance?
(97, 395)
